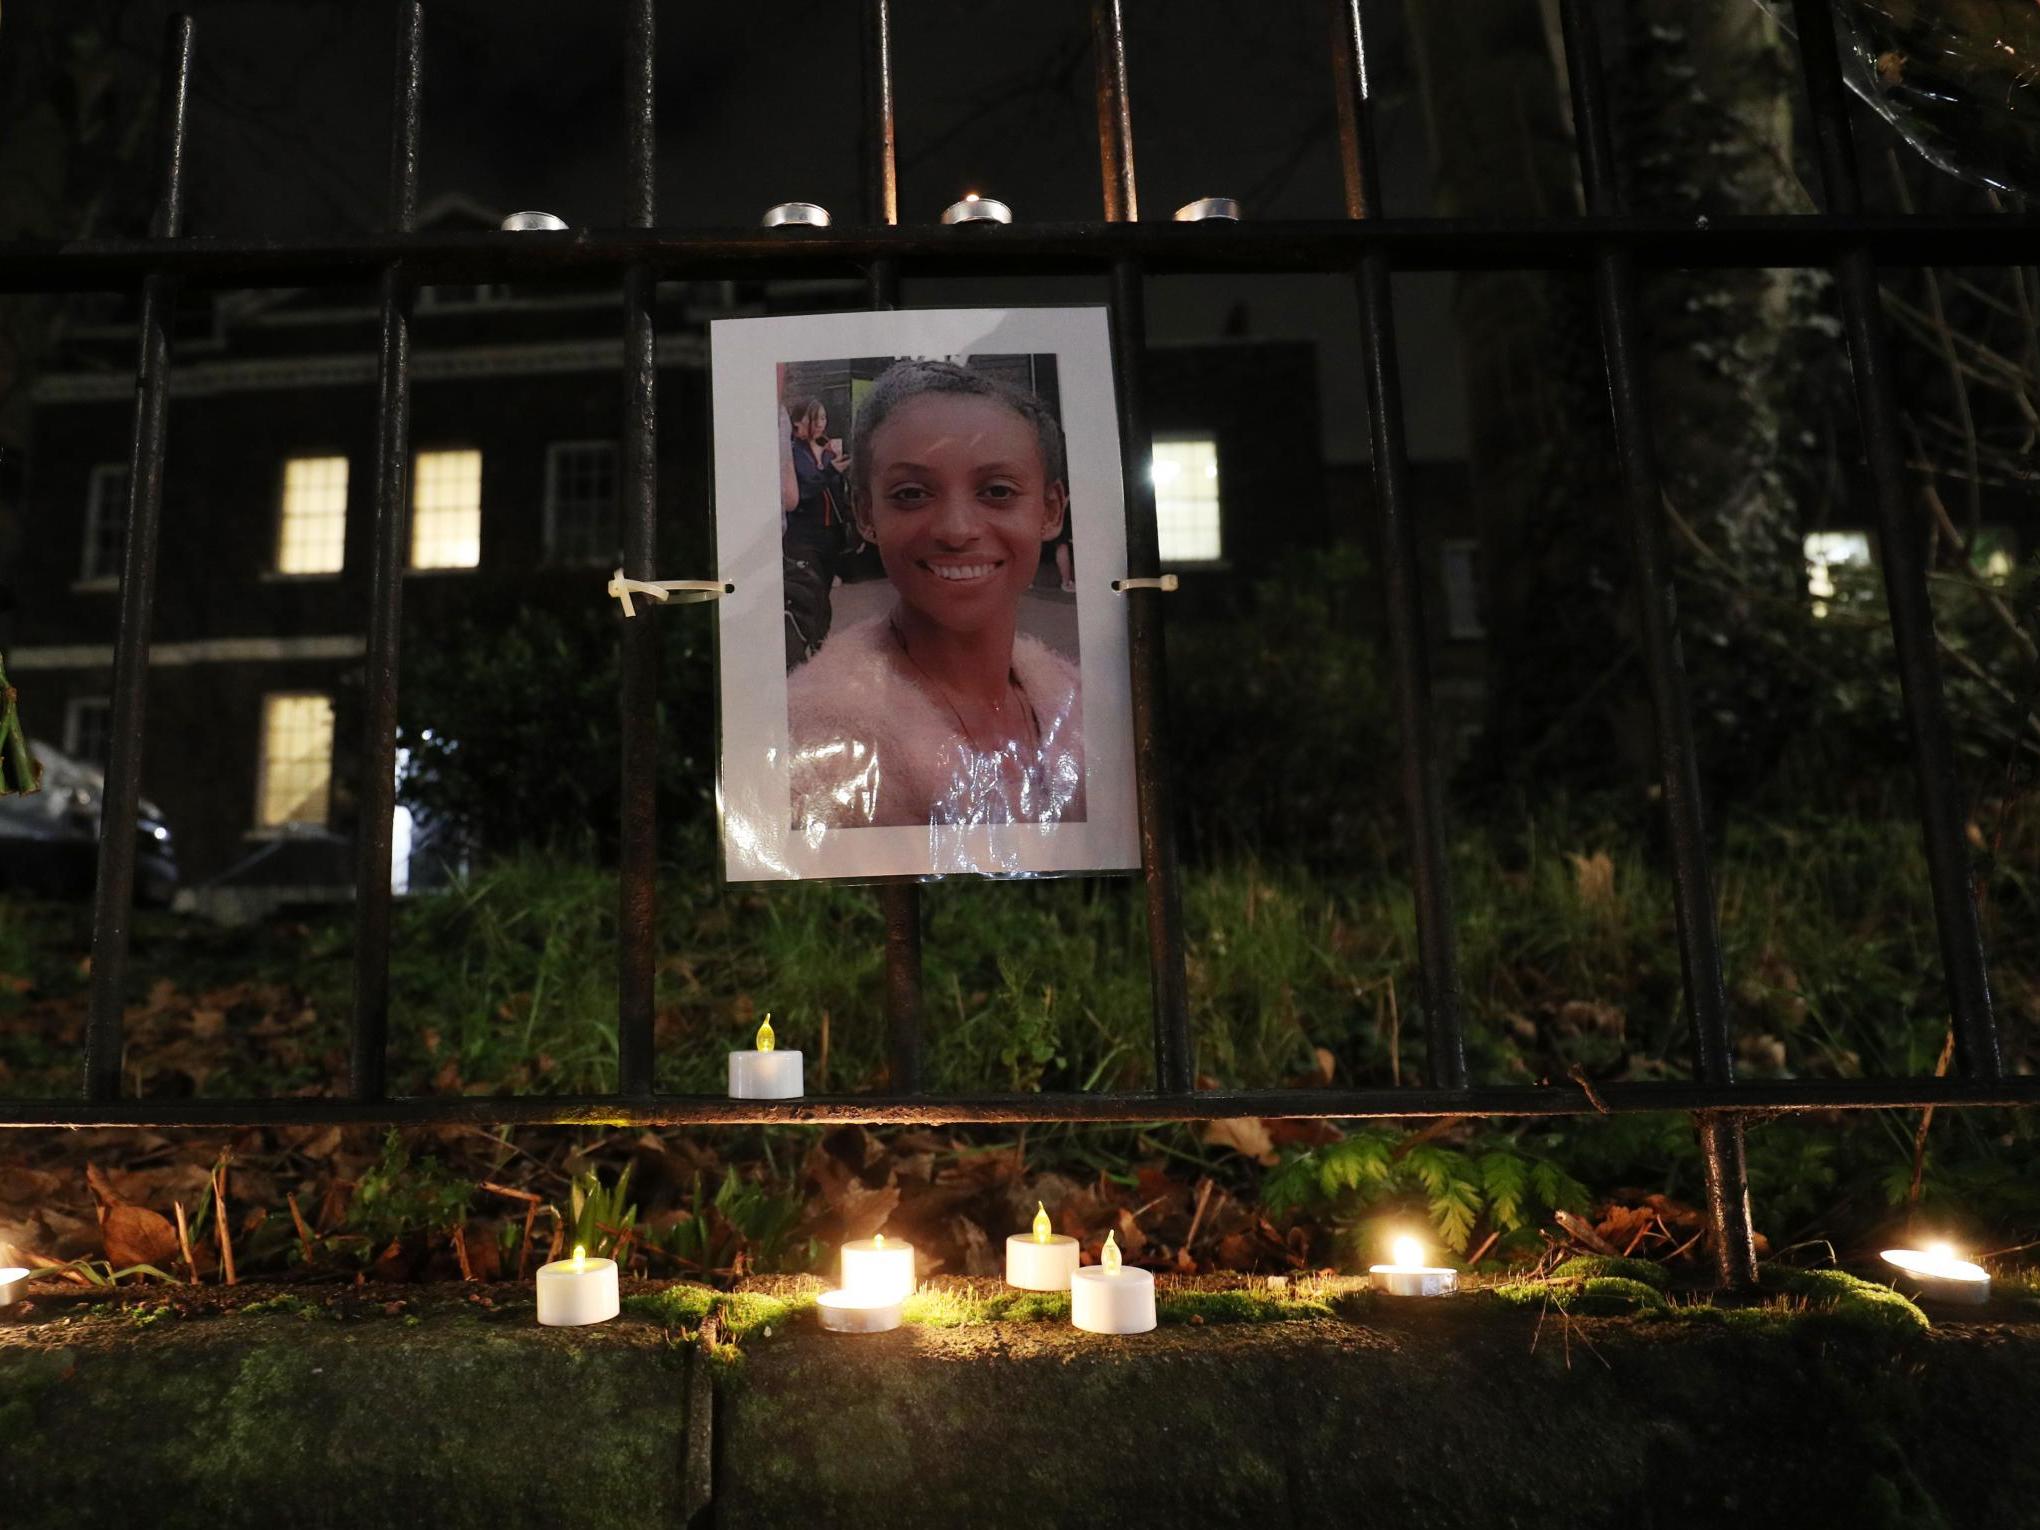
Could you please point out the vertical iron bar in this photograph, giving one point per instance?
(378, 786)
(1423, 791)
(114, 894)
(881, 171)
(637, 868)
(1170, 986)
(899, 902)
(1902, 540)
(1692, 884)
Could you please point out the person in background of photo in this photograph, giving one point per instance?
(812, 529)
(942, 712)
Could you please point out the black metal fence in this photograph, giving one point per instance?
(1606, 243)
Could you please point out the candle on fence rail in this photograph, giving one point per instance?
(577, 1290)
(1108, 1297)
(1408, 1275)
(976, 209)
(1041, 1260)
(1937, 1273)
(766, 1072)
(878, 1277)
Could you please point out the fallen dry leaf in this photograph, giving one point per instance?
(1593, 878)
(130, 1234)
(1246, 1135)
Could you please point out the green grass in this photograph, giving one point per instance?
(505, 983)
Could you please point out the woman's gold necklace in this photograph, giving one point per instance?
(962, 727)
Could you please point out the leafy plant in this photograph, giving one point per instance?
(399, 1197)
(746, 1221)
(1490, 1183)
(600, 1216)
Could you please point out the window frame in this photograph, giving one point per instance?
(1475, 629)
(1222, 559)
(264, 764)
(412, 568)
(275, 572)
(74, 710)
(554, 452)
(90, 576)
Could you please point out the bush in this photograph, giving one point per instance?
(511, 720)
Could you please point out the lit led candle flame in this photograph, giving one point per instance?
(577, 1290)
(878, 1240)
(1038, 1258)
(970, 196)
(1407, 1275)
(1938, 1273)
(1108, 1298)
(765, 1071)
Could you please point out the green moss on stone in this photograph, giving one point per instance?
(1237, 1307)
(283, 1302)
(1615, 1296)
(744, 1314)
(1597, 1296)
(678, 1306)
(1850, 1303)
(1590, 1266)
(752, 1314)
(951, 1307)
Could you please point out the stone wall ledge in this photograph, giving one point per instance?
(449, 1406)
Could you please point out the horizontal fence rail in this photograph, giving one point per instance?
(1035, 249)
(1607, 245)
(1755, 1099)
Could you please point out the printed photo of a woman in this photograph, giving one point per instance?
(938, 709)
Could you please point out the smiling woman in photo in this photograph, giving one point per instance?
(941, 711)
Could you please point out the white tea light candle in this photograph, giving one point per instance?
(1410, 1276)
(765, 1073)
(1106, 1297)
(1936, 1274)
(854, 1312)
(577, 1290)
(879, 1270)
(1041, 1260)
(976, 209)
(13, 1285)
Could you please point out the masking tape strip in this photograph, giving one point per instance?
(621, 589)
(1164, 582)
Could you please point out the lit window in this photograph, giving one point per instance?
(296, 775)
(1460, 557)
(105, 521)
(88, 730)
(1827, 551)
(446, 510)
(1186, 500)
(311, 535)
(580, 501)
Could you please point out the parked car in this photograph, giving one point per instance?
(49, 840)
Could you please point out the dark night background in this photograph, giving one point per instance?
(1302, 959)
